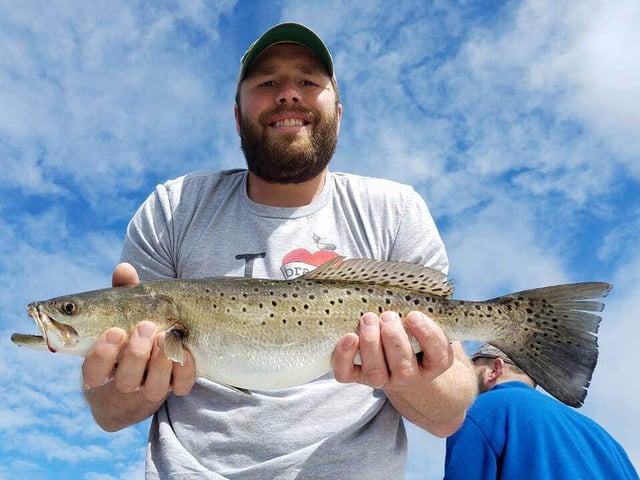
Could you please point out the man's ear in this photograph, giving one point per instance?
(496, 371)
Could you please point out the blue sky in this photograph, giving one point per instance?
(517, 121)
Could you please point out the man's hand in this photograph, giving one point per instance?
(387, 358)
(433, 392)
(119, 364)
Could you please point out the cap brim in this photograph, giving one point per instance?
(286, 33)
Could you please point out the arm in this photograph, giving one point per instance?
(433, 393)
(128, 378)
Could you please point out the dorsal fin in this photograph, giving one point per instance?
(395, 274)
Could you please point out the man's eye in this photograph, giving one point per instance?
(308, 83)
(268, 83)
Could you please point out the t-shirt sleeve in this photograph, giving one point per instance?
(417, 239)
(148, 241)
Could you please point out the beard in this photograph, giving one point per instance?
(287, 159)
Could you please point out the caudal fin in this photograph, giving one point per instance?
(557, 345)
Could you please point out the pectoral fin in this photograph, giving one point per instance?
(174, 343)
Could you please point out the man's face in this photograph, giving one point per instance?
(287, 115)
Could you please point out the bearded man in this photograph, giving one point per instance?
(283, 216)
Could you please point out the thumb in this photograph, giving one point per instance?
(124, 274)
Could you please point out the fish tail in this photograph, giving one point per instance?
(552, 336)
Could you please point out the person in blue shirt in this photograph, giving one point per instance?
(515, 432)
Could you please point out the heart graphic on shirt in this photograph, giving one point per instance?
(300, 261)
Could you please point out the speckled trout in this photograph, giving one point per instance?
(258, 334)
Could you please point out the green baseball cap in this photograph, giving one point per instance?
(286, 33)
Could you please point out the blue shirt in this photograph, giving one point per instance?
(514, 432)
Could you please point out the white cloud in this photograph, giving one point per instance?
(95, 98)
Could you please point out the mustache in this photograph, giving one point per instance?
(306, 111)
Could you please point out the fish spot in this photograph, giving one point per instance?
(430, 310)
(293, 309)
(300, 323)
(320, 322)
(284, 321)
(305, 306)
(207, 290)
(416, 301)
(245, 295)
(244, 309)
(327, 311)
(285, 295)
(387, 301)
(369, 290)
(380, 309)
(325, 290)
(312, 297)
(407, 298)
(340, 300)
(364, 300)
(348, 292)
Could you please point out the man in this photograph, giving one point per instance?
(515, 432)
(285, 215)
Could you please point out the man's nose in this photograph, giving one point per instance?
(288, 93)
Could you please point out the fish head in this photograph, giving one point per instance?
(67, 324)
(72, 323)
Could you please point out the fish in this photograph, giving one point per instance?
(262, 335)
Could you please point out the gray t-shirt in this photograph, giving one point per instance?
(204, 225)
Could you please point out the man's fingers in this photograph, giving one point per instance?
(401, 359)
(133, 364)
(159, 368)
(437, 354)
(374, 365)
(345, 352)
(124, 274)
(184, 376)
(101, 360)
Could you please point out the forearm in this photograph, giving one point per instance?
(439, 406)
(114, 410)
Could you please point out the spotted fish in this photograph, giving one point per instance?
(259, 334)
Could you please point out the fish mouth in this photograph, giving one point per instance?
(56, 335)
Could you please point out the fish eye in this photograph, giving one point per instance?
(69, 308)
